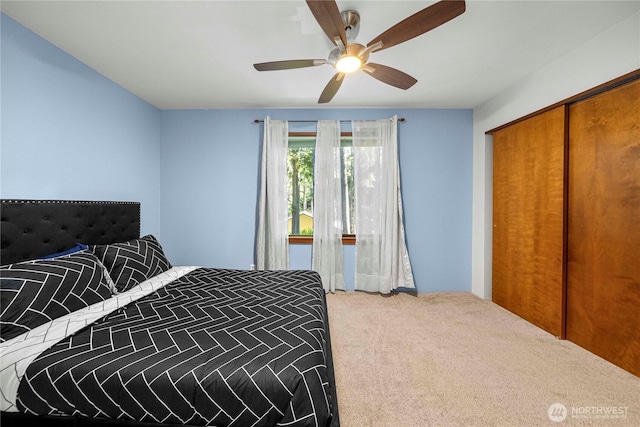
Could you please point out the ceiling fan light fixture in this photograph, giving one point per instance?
(348, 64)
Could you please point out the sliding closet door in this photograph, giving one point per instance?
(603, 272)
(528, 217)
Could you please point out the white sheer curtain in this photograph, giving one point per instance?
(327, 212)
(382, 260)
(272, 240)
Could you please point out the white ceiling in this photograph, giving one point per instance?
(199, 54)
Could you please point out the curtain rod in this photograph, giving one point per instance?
(400, 119)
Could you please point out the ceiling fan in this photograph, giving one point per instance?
(349, 56)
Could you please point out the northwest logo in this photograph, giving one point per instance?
(557, 412)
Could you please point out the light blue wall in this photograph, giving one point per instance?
(210, 163)
(70, 133)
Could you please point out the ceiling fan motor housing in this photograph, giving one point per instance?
(351, 20)
(352, 49)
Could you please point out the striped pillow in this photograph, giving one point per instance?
(132, 262)
(35, 292)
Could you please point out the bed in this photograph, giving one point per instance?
(98, 328)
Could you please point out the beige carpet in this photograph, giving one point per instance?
(452, 359)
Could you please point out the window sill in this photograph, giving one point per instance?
(347, 239)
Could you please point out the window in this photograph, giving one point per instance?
(300, 186)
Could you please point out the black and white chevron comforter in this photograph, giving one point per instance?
(214, 347)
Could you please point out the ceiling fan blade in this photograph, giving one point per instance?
(331, 88)
(420, 22)
(389, 75)
(287, 65)
(328, 16)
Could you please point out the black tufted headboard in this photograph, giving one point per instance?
(35, 228)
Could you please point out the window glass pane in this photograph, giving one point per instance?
(300, 185)
(300, 192)
(348, 197)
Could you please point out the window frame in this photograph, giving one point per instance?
(299, 239)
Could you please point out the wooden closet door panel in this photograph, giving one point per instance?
(603, 271)
(528, 217)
